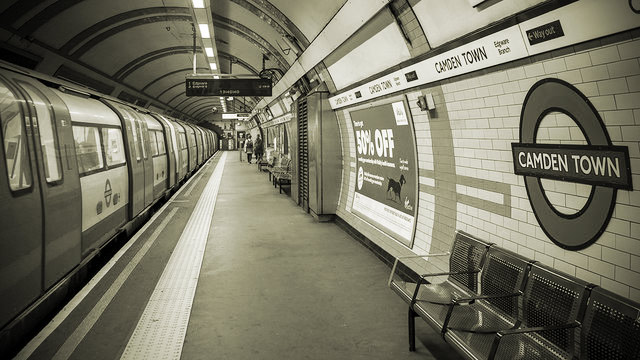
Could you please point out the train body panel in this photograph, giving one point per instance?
(101, 161)
(103, 194)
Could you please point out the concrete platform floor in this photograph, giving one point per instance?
(276, 284)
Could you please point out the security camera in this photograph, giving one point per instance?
(214, 109)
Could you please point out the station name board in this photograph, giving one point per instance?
(595, 165)
(228, 87)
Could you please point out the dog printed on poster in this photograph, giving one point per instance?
(394, 188)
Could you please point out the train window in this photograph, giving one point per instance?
(161, 146)
(113, 146)
(15, 149)
(153, 142)
(183, 141)
(134, 132)
(141, 137)
(88, 152)
(48, 135)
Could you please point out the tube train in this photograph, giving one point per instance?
(76, 170)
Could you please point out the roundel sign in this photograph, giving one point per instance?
(600, 164)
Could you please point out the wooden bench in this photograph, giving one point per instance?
(518, 308)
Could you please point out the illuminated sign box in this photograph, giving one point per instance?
(233, 116)
(228, 87)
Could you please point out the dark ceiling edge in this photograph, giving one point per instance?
(101, 37)
(113, 20)
(140, 61)
(182, 83)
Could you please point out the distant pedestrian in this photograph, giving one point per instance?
(258, 148)
(248, 148)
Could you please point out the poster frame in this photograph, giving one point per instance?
(389, 100)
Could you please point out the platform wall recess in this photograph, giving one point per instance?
(466, 173)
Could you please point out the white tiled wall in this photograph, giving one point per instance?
(484, 115)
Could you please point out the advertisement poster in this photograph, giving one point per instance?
(386, 175)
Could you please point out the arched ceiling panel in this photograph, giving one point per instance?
(56, 25)
(242, 48)
(309, 16)
(108, 57)
(150, 70)
(237, 14)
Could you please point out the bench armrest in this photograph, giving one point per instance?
(502, 333)
(472, 299)
(395, 263)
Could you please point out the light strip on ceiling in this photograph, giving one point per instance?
(201, 14)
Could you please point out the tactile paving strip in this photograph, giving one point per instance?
(161, 330)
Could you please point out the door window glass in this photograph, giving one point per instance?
(48, 135)
(113, 146)
(88, 152)
(15, 148)
(161, 146)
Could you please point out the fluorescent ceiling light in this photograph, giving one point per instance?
(216, 77)
(213, 66)
(198, 4)
(209, 51)
(204, 31)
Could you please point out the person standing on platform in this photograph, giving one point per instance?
(248, 148)
(241, 148)
(258, 148)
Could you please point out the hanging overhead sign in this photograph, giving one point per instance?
(228, 87)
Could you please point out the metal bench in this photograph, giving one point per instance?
(611, 327)
(518, 309)
(546, 324)
(494, 308)
(466, 258)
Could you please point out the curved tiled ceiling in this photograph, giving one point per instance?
(142, 50)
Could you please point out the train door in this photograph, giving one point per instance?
(200, 142)
(158, 156)
(183, 168)
(191, 145)
(146, 157)
(172, 150)
(21, 209)
(59, 181)
(205, 144)
(135, 158)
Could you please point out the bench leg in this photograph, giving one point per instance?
(412, 330)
